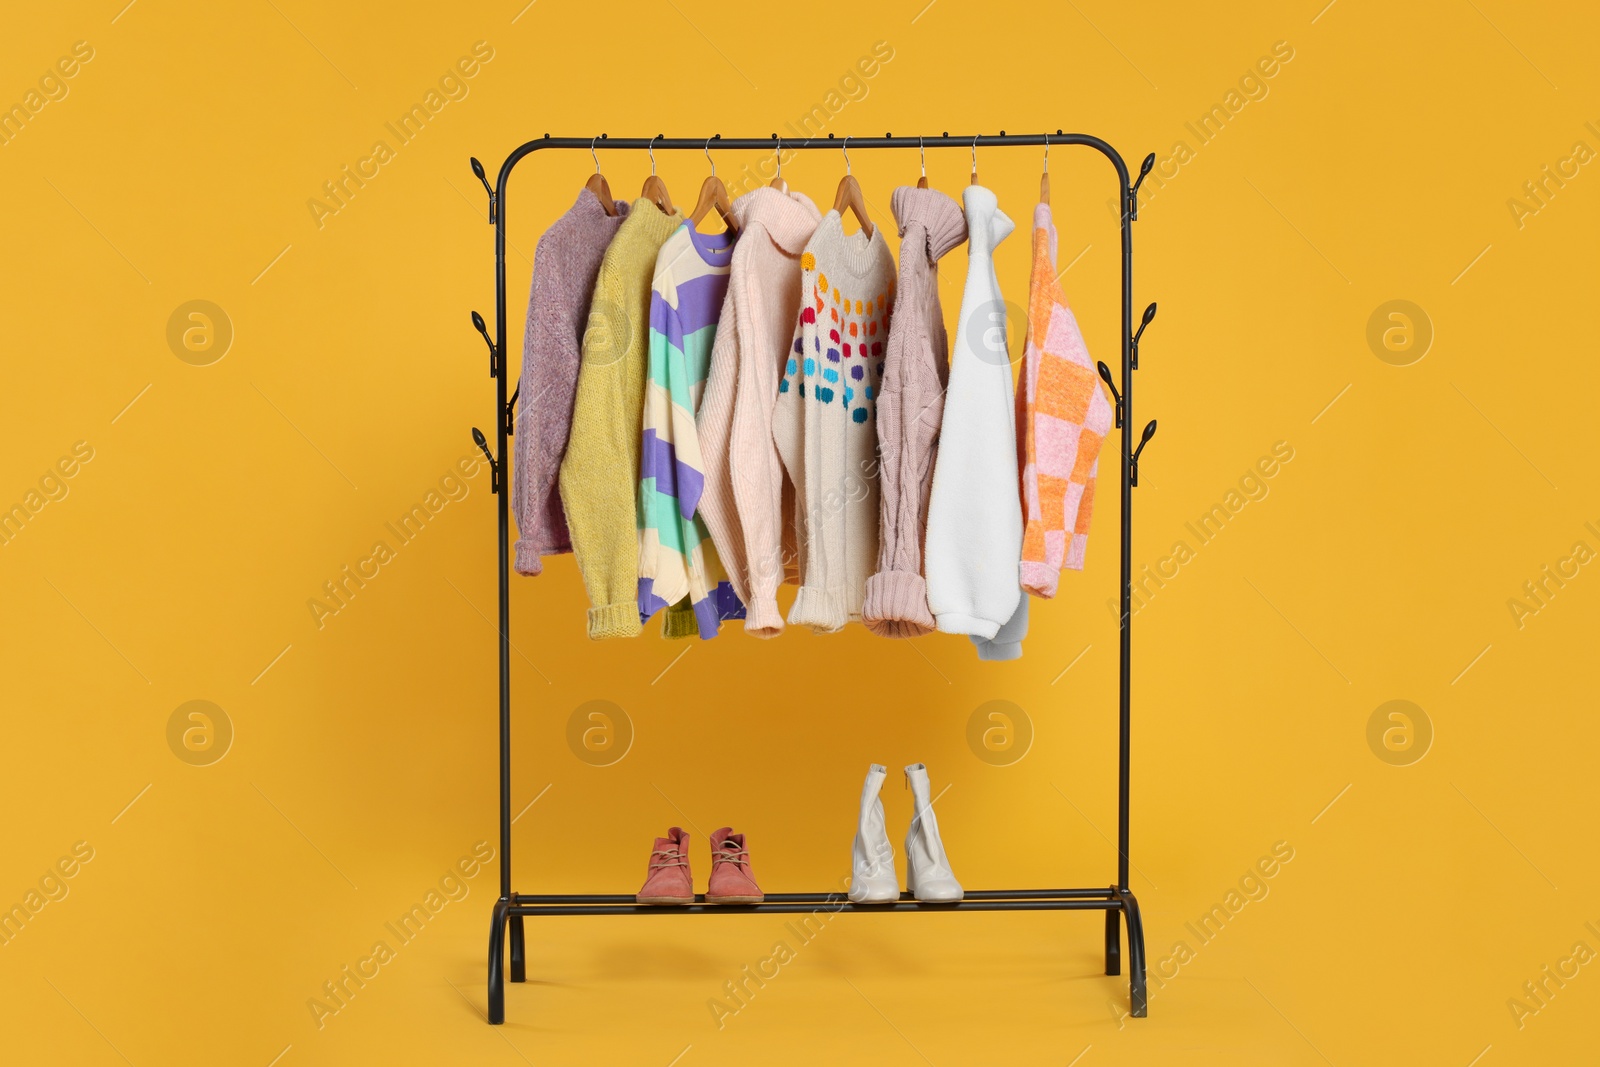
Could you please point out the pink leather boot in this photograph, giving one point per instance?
(731, 880)
(669, 881)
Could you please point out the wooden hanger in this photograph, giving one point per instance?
(598, 186)
(849, 195)
(655, 190)
(1044, 179)
(777, 181)
(922, 182)
(713, 194)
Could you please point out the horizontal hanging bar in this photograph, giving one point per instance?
(943, 140)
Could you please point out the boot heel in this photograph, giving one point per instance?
(928, 875)
(872, 877)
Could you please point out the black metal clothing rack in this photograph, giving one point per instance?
(1115, 900)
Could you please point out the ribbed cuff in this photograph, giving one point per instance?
(953, 622)
(997, 650)
(615, 620)
(528, 561)
(822, 611)
(763, 619)
(896, 605)
(1040, 579)
(679, 621)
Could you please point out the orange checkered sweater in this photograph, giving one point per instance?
(1062, 417)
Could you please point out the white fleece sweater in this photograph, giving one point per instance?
(974, 547)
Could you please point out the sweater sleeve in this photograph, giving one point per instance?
(1007, 641)
(714, 426)
(756, 465)
(599, 473)
(797, 427)
(788, 436)
(910, 409)
(663, 580)
(545, 387)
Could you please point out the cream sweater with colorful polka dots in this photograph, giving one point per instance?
(825, 424)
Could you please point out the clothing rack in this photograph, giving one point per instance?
(1115, 900)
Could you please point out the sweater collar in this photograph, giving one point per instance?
(855, 254)
(789, 218)
(939, 217)
(589, 206)
(987, 225)
(645, 217)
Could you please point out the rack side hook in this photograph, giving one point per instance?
(494, 468)
(1116, 397)
(1133, 193)
(494, 201)
(1149, 313)
(494, 350)
(1133, 461)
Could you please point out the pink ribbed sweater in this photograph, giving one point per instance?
(742, 503)
(910, 408)
(566, 262)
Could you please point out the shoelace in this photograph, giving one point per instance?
(672, 858)
(729, 853)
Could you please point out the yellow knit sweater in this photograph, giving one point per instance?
(600, 473)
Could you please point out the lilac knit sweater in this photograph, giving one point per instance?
(910, 408)
(565, 265)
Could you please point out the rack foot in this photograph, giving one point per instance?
(1138, 1000)
(519, 968)
(497, 956)
(1113, 941)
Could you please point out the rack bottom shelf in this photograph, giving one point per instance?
(789, 903)
(509, 913)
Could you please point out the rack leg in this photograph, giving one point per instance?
(1138, 1001)
(519, 969)
(497, 957)
(1113, 941)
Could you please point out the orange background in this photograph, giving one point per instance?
(1378, 163)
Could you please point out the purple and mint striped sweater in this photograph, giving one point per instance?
(676, 556)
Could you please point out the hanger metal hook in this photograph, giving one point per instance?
(923, 153)
(975, 153)
(594, 154)
(651, 148)
(709, 159)
(1047, 153)
(846, 151)
(777, 159)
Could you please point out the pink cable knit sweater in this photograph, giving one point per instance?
(909, 411)
(566, 262)
(743, 500)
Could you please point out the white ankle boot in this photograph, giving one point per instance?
(928, 874)
(872, 877)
